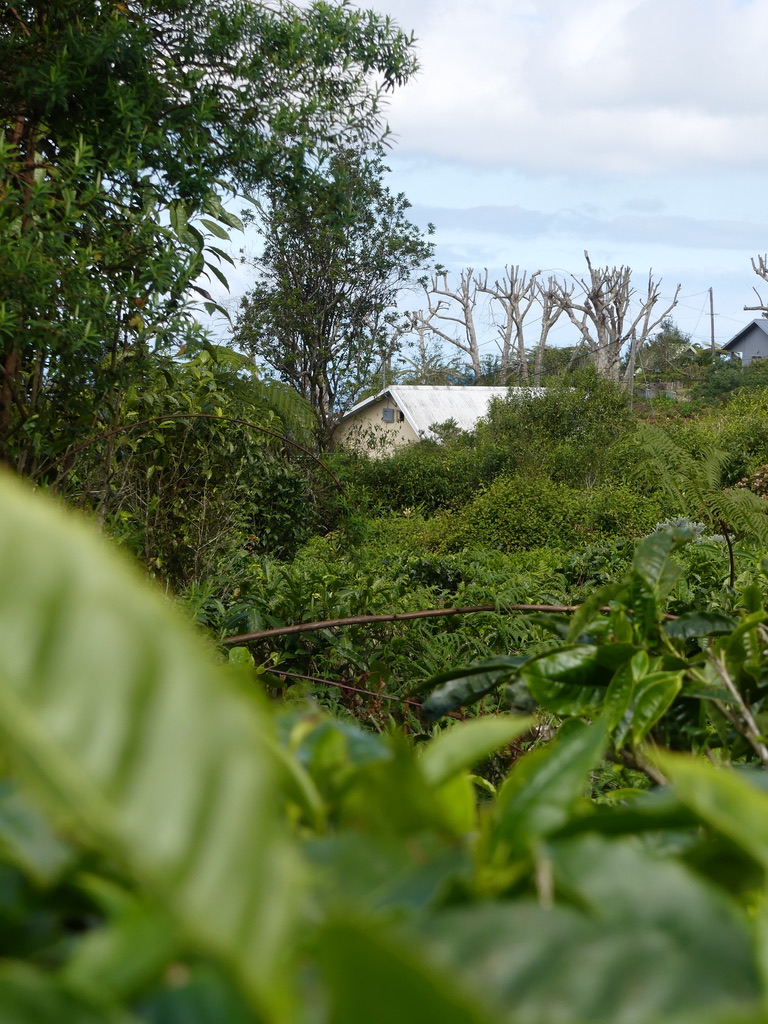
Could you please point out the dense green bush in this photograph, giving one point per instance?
(184, 477)
(519, 513)
(569, 433)
(425, 476)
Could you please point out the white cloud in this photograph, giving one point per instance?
(623, 86)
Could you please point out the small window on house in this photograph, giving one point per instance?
(400, 416)
(388, 415)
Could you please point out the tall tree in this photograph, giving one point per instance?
(338, 247)
(606, 316)
(454, 307)
(668, 354)
(516, 293)
(120, 117)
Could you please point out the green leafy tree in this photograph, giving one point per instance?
(337, 250)
(124, 121)
(667, 355)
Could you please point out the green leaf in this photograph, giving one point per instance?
(214, 228)
(694, 624)
(574, 680)
(466, 686)
(560, 964)
(706, 934)
(653, 696)
(120, 722)
(28, 840)
(653, 565)
(591, 608)
(359, 873)
(637, 698)
(540, 793)
(28, 996)
(618, 698)
(195, 994)
(210, 267)
(377, 979)
(127, 953)
(723, 799)
(461, 746)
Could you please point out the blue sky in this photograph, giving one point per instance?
(634, 129)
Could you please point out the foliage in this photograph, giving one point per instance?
(569, 433)
(125, 126)
(427, 475)
(519, 513)
(667, 355)
(337, 249)
(191, 850)
(191, 477)
(695, 484)
(721, 378)
(693, 681)
(328, 581)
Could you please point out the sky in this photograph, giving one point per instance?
(634, 129)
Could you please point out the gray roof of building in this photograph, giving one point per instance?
(424, 405)
(762, 323)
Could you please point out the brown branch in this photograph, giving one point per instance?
(431, 613)
(343, 686)
(743, 721)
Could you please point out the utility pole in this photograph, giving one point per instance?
(712, 320)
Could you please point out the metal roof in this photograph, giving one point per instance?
(762, 324)
(424, 405)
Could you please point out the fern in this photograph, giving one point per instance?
(696, 484)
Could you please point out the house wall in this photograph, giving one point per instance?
(368, 431)
(754, 344)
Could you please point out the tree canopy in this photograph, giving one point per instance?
(336, 252)
(121, 122)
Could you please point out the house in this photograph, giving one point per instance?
(402, 414)
(751, 342)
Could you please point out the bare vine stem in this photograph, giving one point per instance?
(743, 721)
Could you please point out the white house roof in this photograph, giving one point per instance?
(423, 405)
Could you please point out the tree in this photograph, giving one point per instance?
(664, 355)
(337, 251)
(123, 121)
(605, 316)
(455, 306)
(516, 293)
(425, 361)
(760, 267)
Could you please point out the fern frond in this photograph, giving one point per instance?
(745, 513)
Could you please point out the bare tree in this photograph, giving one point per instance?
(457, 306)
(516, 292)
(604, 316)
(551, 312)
(760, 267)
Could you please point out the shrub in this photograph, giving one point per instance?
(569, 433)
(516, 513)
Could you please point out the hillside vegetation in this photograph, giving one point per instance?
(474, 733)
